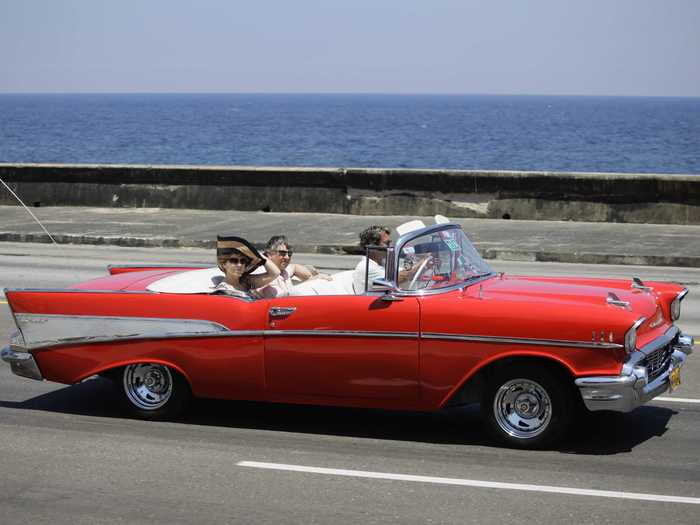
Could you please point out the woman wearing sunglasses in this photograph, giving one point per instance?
(237, 259)
(279, 252)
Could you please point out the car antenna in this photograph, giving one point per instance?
(28, 210)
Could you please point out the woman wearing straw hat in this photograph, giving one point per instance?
(237, 258)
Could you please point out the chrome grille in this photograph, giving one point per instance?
(658, 361)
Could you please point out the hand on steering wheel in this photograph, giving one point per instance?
(419, 272)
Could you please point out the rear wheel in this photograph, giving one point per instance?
(154, 391)
(527, 406)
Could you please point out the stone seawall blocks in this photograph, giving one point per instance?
(593, 197)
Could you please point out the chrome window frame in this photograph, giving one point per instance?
(410, 236)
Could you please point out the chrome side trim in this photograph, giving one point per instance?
(41, 330)
(78, 290)
(342, 333)
(519, 341)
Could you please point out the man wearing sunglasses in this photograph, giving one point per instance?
(278, 251)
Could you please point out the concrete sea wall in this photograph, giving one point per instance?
(597, 197)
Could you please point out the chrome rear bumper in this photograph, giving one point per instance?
(21, 363)
(627, 391)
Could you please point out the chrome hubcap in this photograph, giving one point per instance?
(522, 408)
(148, 385)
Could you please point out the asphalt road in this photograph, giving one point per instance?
(70, 456)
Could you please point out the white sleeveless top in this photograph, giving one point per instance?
(281, 286)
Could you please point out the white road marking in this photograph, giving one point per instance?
(677, 399)
(471, 483)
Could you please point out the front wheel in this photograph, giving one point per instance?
(154, 391)
(527, 406)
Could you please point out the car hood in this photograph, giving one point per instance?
(559, 308)
(591, 293)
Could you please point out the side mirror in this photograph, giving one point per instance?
(386, 286)
(383, 285)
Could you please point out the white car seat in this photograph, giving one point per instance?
(340, 284)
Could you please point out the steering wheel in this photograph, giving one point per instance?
(419, 272)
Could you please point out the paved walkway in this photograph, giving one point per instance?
(581, 242)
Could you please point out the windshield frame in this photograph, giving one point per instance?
(410, 236)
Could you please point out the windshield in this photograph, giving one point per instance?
(438, 260)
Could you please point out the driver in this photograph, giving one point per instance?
(376, 235)
(380, 235)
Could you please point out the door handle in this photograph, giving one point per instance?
(282, 311)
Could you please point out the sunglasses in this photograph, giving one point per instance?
(285, 253)
(239, 260)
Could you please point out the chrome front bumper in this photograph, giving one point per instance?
(630, 389)
(21, 363)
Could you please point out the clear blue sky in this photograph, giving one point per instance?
(588, 47)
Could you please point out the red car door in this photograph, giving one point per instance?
(351, 346)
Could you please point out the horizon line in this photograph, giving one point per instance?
(341, 93)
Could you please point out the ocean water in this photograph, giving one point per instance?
(603, 134)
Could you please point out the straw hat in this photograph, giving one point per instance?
(229, 245)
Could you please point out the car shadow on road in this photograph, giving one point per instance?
(601, 433)
(595, 434)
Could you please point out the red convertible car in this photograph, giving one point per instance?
(440, 329)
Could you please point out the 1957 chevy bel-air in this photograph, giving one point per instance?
(440, 329)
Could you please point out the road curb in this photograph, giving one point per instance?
(339, 249)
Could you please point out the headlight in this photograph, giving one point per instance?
(676, 305)
(631, 336)
(675, 309)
